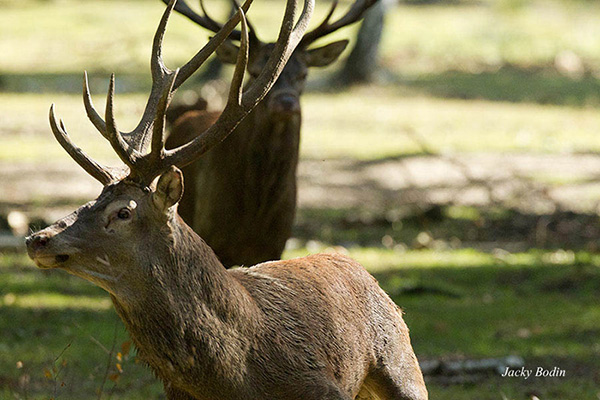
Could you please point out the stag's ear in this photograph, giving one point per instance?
(323, 56)
(169, 189)
(227, 52)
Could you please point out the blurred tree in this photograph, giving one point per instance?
(362, 63)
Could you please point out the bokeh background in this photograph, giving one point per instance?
(465, 176)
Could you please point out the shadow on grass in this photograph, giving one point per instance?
(18, 280)
(69, 82)
(495, 311)
(495, 316)
(483, 228)
(72, 82)
(511, 84)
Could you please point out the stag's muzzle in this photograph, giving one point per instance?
(285, 104)
(40, 248)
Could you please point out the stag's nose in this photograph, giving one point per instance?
(286, 103)
(36, 242)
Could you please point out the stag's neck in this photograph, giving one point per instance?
(271, 156)
(193, 320)
(269, 134)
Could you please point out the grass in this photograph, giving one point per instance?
(397, 126)
(442, 37)
(458, 304)
(57, 335)
(482, 80)
(475, 77)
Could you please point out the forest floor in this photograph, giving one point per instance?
(466, 180)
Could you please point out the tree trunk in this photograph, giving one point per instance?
(362, 64)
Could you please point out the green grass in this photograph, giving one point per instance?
(397, 125)
(458, 304)
(478, 77)
(58, 326)
(482, 80)
(440, 37)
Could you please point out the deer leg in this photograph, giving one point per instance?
(176, 394)
(396, 374)
(395, 381)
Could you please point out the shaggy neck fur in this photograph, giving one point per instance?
(193, 320)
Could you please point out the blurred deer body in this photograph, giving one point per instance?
(313, 328)
(249, 202)
(251, 196)
(247, 184)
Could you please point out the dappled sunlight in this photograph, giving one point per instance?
(55, 301)
(465, 178)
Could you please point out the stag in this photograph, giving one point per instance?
(313, 328)
(247, 184)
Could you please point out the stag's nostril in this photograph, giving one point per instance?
(286, 103)
(61, 258)
(37, 242)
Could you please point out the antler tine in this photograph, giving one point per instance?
(125, 152)
(355, 12)
(201, 56)
(157, 66)
(126, 144)
(236, 89)
(216, 26)
(203, 20)
(130, 147)
(138, 139)
(290, 36)
(251, 30)
(158, 128)
(325, 22)
(239, 105)
(89, 107)
(96, 170)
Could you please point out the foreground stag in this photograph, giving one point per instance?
(312, 328)
(247, 185)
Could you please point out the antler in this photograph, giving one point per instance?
(207, 22)
(131, 147)
(354, 13)
(138, 138)
(240, 104)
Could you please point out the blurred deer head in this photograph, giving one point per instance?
(283, 101)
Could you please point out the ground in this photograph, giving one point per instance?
(465, 179)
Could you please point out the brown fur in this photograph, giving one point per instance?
(175, 111)
(317, 327)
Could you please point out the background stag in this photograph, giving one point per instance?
(247, 185)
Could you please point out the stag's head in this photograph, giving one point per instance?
(110, 239)
(283, 101)
(114, 240)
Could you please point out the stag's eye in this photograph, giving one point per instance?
(124, 213)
